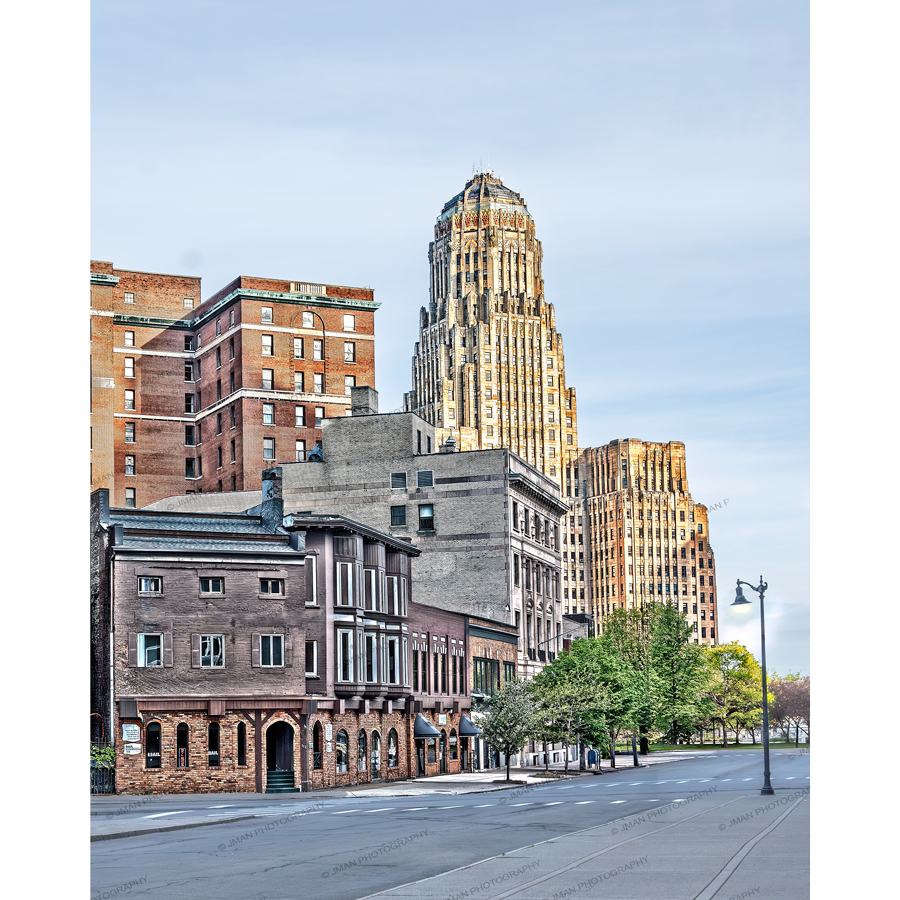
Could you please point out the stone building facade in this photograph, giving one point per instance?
(243, 655)
(645, 538)
(199, 396)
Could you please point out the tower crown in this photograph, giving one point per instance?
(484, 186)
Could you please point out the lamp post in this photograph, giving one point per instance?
(740, 600)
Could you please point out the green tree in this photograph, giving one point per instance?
(681, 675)
(511, 719)
(736, 690)
(790, 704)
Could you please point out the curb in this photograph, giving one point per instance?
(140, 831)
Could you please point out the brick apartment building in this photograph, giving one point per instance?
(191, 396)
(234, 654)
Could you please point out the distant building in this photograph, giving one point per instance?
(199, 397)
(645, 538)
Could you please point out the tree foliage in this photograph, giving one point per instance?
(736, 690)
(789, 708)
(511, 719)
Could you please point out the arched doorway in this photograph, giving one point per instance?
(280, 747)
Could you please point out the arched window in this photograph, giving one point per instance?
(242, 744)
(393, 749)
(341, 746)
(362, 758)
(213, 746)
(454, 754)
(181, 746)
(317, 745)
(154, 746)
(376, 754)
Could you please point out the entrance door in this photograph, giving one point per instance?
(464, 750)
(443, 753)
(280, 747)
(420, 757)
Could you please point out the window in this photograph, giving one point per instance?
(319, 382)
(393, 660)
(312, 662)
(393, 750)
(212, 651)
(219, 424)
(213, 744)
(218, 326)
(271, 650)
(231, 347)
(149, 650)
(300, 417)
(398, 481)
(317, 745)
(268, 379)
(265, 314)
(129, 338)
(188, 403)
(267, 347)
(371, 657)
(318, 350)
(308, 320)
(233, 416)
(190, 467)
(130, 500)
(349, 384)
(398, 515)
(271, 586)
(345, 656)
(509, 671)
(425, 479)
(129, 432)
(268, 410)
(345, 583)
(188, 303)
(311, 570)
(212, 585)
(300, 451)
(181, 745)
(341, 750)
(154, 746)
(188, 343)
(320, 414)
(233, 456)
(129, 465)
(149, 584)
(268, 448)
(426, 517)
(487, 676)
(230, 384)
(349, 323)
(129, 296)
(129, 400)
(219, 462)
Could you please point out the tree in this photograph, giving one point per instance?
(790, 703)
(511, 719)
(736, 690)
(681, 675)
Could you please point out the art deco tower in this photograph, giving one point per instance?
(488, 365)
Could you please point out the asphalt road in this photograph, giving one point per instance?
(304, 846)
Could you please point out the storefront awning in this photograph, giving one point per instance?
(424, 729)
(466, 728)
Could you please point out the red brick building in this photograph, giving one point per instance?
(190, 396)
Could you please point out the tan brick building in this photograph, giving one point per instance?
(198, 397)
(645, 539)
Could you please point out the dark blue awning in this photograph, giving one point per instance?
(423, 728)
(467, 729)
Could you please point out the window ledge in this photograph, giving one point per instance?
(426, 531)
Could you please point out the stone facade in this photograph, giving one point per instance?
(191, 396)
(645, 537)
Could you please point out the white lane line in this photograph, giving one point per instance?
(582, 802)
(220, 806)
(484, 806)
(521, 804)
(746, 779)
(413, 808)
(555, 803)
(683, 782)
(726, 779)
(807, 776)
(790, 778)
(633, 783)
(433, 807)
(160, 815)
(704, 780)
(385, 808)
(344, 812)
(618, 801)
(662, 782)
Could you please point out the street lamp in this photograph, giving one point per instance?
(740, 600)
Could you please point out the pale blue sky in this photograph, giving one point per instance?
(662, 149)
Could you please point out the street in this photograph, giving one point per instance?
(693, 828)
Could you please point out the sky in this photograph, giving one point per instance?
(662, 149)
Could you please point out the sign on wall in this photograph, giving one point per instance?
(442, 718)
(328, 732)
(131, 733)
(328, 747)
(132, 749)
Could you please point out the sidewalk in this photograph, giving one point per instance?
(698, 849)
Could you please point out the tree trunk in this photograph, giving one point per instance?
(645, 741)
(612, 750)
(634, 750)
(546, 757)
(507, 766)
(566, 751)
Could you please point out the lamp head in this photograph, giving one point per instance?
(739, 598)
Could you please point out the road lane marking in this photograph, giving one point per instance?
(582, 802)
(160, 815)
(521, 804)
(413, 808)
(484, 806)
(555, 803)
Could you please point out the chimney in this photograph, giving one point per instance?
(363, 401)
(272, 510)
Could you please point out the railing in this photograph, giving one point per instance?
(317, 760)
